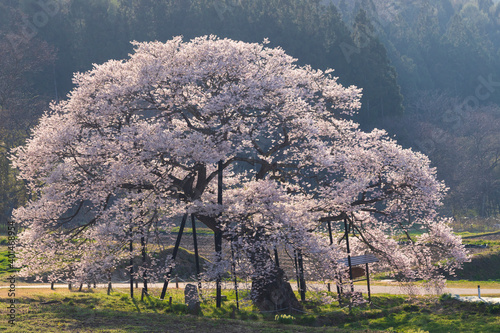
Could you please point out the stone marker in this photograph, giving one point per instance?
(192, 299)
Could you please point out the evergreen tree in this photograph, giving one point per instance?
(468, 57)
(373, 71)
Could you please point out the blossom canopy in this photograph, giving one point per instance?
(137, 143)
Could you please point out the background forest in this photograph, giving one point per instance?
(430, 70)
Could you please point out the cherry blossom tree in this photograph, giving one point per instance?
(138, 143)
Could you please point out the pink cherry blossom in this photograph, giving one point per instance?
(136, 145)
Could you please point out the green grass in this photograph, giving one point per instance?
(491, 284)
(444, 317)
(484, 266)
(64, 311)
(199, 231)
(4, 260)
(475, 224)
(469, 235)
(94, 311)
(4, 240)
(5, 270)
(399, 314)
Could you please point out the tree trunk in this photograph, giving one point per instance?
(270, 289)
(274, 293)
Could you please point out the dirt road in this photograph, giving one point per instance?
(375, 289)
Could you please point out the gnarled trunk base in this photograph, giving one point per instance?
(274, 293)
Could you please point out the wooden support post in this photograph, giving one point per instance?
(301, 276)
(144, 258)
(131, 249)
(276, 258)
(331, 242)
(330, 232)
(174, 254)
(297, 275)
(218, 235)
(235, 280)
(368, 283)
(348, 254)
(218, 251)
(196, 256)
(340, 290)
(109, 283)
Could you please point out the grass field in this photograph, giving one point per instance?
(449, 284)
(485, 263)
(44, 310)
(94, 311)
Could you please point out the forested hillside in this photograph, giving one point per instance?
(429, 69)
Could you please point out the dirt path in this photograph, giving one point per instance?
(394, 290)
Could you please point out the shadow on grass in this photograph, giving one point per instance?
(96, 312)
(58, 317)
